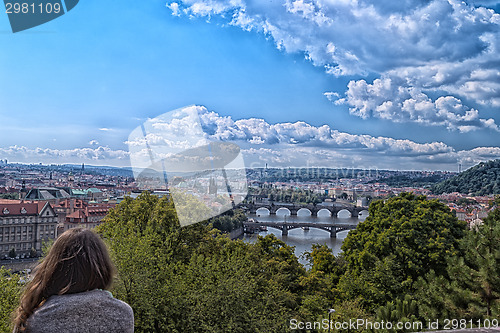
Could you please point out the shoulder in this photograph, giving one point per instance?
(91, 311)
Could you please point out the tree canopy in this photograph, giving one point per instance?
(471, 287)
(192, 279)
(403, 238)
(10, 290)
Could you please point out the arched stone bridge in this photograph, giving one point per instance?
(285, 227)
(313, 209)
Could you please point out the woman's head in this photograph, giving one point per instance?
(77, 261)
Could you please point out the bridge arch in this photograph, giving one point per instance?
(324, 212)
(344, 214)
(263, 211)
(363, 214)
(344, 231)
(283, 211)
(304, 212)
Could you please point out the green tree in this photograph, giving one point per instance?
(192, 279)
(403, 238)
(399, 311)
(482, 261)
(320, 282)
(324, 263)
(10, 290)
(471, 287)
(229, 221)
(350, 310)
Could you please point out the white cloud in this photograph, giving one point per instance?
(99, 155)
(174, 7)
(446, 49)
(93, 142)
(301, 144)
(258, 131)
(391, 99)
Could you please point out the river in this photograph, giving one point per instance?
(302, 240)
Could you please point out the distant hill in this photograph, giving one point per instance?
(411, 180)
(481, 179)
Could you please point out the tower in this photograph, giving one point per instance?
(23, 191)
(71, 179)
(212, 187)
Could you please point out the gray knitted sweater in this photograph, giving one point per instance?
(87, 312)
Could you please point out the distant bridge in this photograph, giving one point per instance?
(285, 227)
(313, 209)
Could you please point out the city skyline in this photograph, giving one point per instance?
(411, 85)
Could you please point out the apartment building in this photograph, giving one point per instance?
(25, 225)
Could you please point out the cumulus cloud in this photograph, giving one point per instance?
(258, 132)
(391, 99)
(449, 48)
(302, 144)
(104, 155)
(174, 7)
(280, 144)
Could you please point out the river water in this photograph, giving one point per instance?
(302, 240)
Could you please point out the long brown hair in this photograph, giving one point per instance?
(78, 261)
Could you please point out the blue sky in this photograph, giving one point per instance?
(399, 85)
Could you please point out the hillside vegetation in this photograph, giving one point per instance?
(482, 179)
